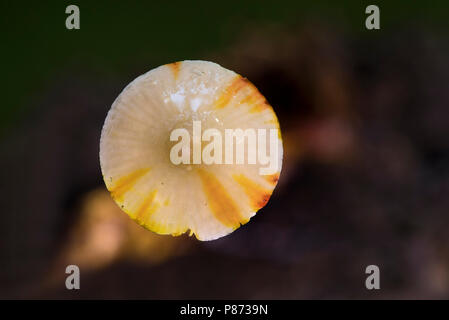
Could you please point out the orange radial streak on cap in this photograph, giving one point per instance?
(257, 195)
(255, 100)
(147, 207)
(124, 184)
(236, 85)
(260, 106)
(175, 66)
(219, 201)
(272, 178)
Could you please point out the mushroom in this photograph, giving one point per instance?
(158, 134)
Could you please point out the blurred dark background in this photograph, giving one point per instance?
(365, 121)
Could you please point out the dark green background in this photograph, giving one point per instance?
(36, 46)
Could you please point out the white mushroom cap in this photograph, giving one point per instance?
(209, 200)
